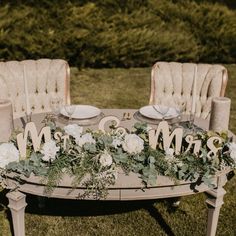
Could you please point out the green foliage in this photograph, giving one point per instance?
(110, 33)
(93, 158)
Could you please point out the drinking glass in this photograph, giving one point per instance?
(191, 122)
(181, 106)
(55, 104)
(28, 117)
(163, 110)
(70, 109)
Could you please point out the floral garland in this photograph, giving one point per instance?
(93, 158)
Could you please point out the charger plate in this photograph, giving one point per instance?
(81, 112)
(159, 112)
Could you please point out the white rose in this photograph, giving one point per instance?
(232, 149)
(105, 159)
(133, 144)
(8, 153)
(49, 150)
(86, 138)
(74, 130)
(116, 142)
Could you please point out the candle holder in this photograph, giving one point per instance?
(6, 120)
(220, 113)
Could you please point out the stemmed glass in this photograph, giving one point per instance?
(70, 109)
(181, 106)
(191, 122)
(162, 110)
(28, 117)
(55, 104)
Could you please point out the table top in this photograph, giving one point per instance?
(126, 187)
(119, 113)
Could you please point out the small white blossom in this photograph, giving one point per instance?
(49, 150)
(116, 142)
(170, 154)
(180, 163)
(133, 144)
(232, 149)
(105, 159)
(85, 138)
(74, 130)
(8, 153)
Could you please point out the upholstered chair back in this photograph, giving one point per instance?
(172, 85)
(45, 78)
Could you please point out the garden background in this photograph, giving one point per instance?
(111, 46)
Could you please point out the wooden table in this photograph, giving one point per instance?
(125, 188)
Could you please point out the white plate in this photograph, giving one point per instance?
(159, 112)
(82, 112)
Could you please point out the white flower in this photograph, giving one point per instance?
(170, 154)
(133, 144)
(180, 163)
(8, 153)
(169, 151)
(116, 142)
(74, 130)
(105, 159)
(49, 150)
(86, 138)
(232, 149)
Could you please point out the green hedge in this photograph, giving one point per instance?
(118, 33)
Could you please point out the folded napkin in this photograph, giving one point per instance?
(6, 120)
(220, 112)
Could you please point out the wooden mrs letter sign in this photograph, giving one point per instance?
(177, 135)
(30, 128)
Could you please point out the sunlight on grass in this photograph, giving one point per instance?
(124, 88)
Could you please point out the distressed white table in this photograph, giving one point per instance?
(126, 187)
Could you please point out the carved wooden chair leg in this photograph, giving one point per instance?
(214, 203)
(17, 206)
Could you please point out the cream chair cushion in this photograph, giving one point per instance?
(46, 78)
(172, 85)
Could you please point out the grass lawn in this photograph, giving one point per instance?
(124, 88)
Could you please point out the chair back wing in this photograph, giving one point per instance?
(172, 85)
(45, 78)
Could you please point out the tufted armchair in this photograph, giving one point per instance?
(172, 84)
(46, 78)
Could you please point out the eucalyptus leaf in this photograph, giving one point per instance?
(139, 157)
(151, 159)
(152, 180)
(121, 158)
(137, 167)
(180, 174)
(184, 168)
(90, 147)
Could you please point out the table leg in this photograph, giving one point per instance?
(214, 203)
(17, 206)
